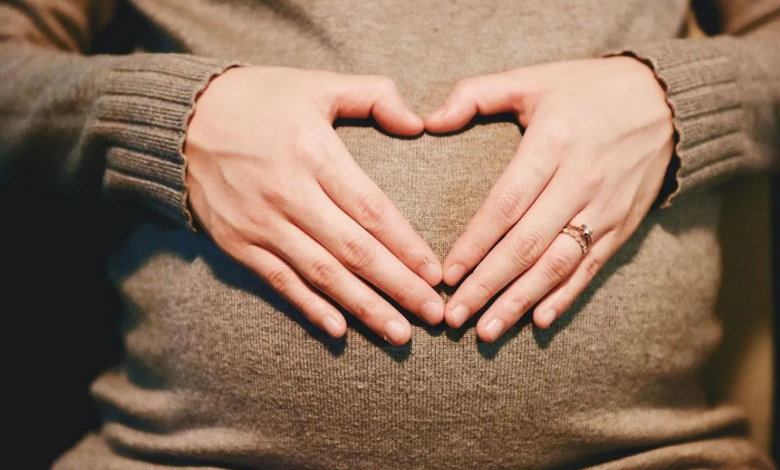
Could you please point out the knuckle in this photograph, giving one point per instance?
(537, 168)
(402, 292)
(518, 304)
(227, 236)
(527, 248)
(311, 308)
(475, 248)
(590, 181)
(370, 211)
(274, 194)
(233, 236)
(484, 289)
(324, 274)
(317, 162)
(592, 266)
(365, 310)
(562, 134)
(516, 95)
(508, 206)
(281, 279)
(258, 222)
(358, 252)
(303, 147)
(407, 250)
(557, 268)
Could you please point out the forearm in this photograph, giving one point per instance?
(111, 124)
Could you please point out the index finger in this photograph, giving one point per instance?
(518, 187)
(357, 195)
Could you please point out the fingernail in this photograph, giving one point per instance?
(547, 317)
(395, 331)
(433, 311)
(411, 115)
(494, 328)
(332, 326)
(458, 315)
(431, 273)
(454, 274)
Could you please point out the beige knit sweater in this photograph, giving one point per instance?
(221, 373)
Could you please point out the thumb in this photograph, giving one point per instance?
(488, 94)
(361, 96)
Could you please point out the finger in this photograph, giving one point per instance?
(521, 183)
(563, 296)
(360, 96)
(330, 277)
(556, 264)
(488, 94)
(364, 255)
(522, 246)
(357, 195)
(289, 284)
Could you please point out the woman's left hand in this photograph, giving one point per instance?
(598, 141)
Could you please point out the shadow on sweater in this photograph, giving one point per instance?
(544, 337)
(189, 246)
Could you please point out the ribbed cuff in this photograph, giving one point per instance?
(701, 89)
(142, 117)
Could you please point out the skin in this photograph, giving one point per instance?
(598, 140)
(597, 143)
(276, 189)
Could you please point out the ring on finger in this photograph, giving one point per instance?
(582, 234)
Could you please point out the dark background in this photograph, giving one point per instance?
(59, 318)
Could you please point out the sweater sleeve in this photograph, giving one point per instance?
(71, 122)
(724, 92)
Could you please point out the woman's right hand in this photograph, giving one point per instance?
(276, 189)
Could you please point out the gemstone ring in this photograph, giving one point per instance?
(581, 234)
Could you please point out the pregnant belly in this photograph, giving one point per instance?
(220, 370)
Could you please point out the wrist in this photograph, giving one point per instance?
(196, 131)
(649, 84)
(141, 117)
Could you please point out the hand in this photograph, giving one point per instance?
(276, 189)
(598, 140)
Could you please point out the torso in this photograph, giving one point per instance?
(221, 371)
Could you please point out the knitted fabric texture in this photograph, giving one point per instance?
(220, 372)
